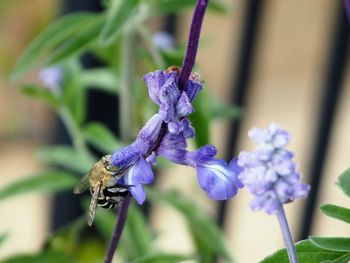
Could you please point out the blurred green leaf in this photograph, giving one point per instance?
(344, 182)
(104, 221)
(204, 229)
(3, 238)
(101, 137)
(307, 253)
(337, 212)
(100, 79)
(218, 109)
(41, 93)
(44, 257)
(159, 258)
(65, 156)
(79, 41)
(343, 259)
(57, 32)
(138, 237)
(118, 15)
(201, 120)
(339, 244)
(48, 181)
(173, 6)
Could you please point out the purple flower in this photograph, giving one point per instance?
(163, 40)
(51, 78)
(269, 172)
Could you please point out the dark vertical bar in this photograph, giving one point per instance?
(332, 88)
(240, 83)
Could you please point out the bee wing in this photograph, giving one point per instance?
(93, 204)
(82, 185)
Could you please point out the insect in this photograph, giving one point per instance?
(102, 180)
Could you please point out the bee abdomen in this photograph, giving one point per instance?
(111, 197)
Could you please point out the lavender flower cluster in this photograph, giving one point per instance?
(269, 172)
(165, 134)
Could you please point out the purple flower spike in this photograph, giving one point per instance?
(269, 172)
(138, 175)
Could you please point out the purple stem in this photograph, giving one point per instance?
(121, 219)
(287, 236)
(347, 8)
(193, 40)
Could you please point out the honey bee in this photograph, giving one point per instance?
(102, 180)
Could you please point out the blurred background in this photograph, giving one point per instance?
(281, 61)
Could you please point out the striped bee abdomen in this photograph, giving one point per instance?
(112, 196)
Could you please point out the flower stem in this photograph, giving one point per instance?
(287, 236)
(75, 134)
(121, 219)
(347, 8)
(193, 40)
(125, 101)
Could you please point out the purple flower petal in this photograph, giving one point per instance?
(217, 179)
(137, 175)
(154, 81)
(149, 133)
(183, 106)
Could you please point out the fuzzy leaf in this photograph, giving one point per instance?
(337, 212)
(100, 79)
(65, 156)
(204, 230)
(100, 136)
(3, 238)
(44, 257)
(173, 6)
(339, 244)
(118, 15)
(48, 181)
(54, 35)
(162, 259)
(41, 93)
(201, 120)
(78, 42)
(307, 253)
(344, 182)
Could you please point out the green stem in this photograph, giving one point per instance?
(125, 101)
(145, 34)
(75, 134)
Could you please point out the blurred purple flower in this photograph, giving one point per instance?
(269, 172)
(163, 40)
(51, 78)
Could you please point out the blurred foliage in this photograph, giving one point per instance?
(102, 35)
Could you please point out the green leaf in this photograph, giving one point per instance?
(41, 93)
(65, 156)
(174, 6)
(205, 231)
(78, 42)
(101, 137)
(344, 182)
(339, 244)
(100, 79)
(337, 212)
(343, 259)
(118, 15)
(44, 257)
(218, 109)
(307, 253)
(48, 181)
(162, 259)
(3, 238)
(57, 32)
(201, 120)
(138, 236)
